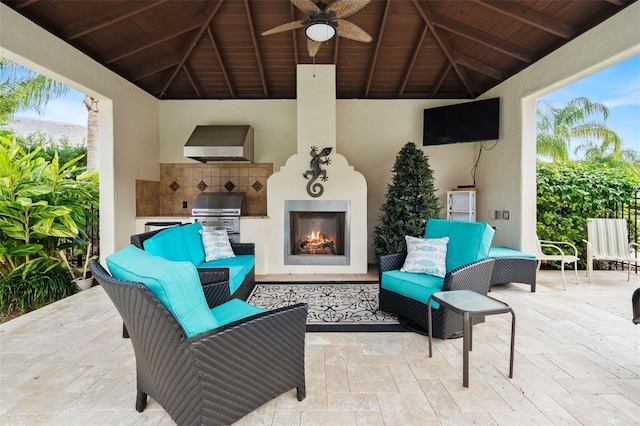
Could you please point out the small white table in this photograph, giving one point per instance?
(470, 304)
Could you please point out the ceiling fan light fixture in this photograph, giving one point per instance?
(320, 31)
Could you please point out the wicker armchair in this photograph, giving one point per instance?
(635, 304)
(475, 276)
(216, 377)
(467, 268)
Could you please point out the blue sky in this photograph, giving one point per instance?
(618, 87)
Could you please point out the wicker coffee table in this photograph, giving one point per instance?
(470, 304)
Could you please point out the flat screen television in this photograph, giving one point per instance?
(468, 122)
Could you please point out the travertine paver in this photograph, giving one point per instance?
(577, 362)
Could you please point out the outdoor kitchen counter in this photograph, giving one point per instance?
(141, 220)
(253, 229)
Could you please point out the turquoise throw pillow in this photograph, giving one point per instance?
(426, 256)
(175, 284)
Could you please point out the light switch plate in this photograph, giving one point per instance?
(505, 214)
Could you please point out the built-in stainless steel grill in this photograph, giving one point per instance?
(219, 210)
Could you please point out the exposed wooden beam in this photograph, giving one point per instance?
(416, 52)
(23, 4)
(485, 39)
(194, 84)
(152, 39)
(443, 74)
(444, 44)
(530, 17)
(109, 17)
(479, 66)
(154, 68)
(256, 49)
(292, 12)
(372, 67)
(210, 13)
(221, 62)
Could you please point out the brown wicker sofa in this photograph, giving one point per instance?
(211, 276)
(215, 377)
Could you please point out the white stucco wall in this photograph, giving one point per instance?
(369, 135)
(128, 119)
(507, 173)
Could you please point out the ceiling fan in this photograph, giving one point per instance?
(325, 20)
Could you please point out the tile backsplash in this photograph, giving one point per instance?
(181, 183)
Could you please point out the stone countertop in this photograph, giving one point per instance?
(188, 217)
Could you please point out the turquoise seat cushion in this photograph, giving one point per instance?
(498, 251)
(468, 241)
(178, 243)
(234, 310)
(414, 286)
(239, 266)
(175, 284)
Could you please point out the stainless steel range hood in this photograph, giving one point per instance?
(220, 143)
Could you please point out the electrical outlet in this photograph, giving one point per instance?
(184, 204)
(505, 214)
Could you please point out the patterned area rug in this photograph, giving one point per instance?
(335, 306)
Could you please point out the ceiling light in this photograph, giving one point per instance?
(320, 31)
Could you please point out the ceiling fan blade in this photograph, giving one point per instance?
(284, 27)
(351, 31)
(313, 47)
(307, 6)
(344, 8)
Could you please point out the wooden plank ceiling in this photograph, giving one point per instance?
(214, 50)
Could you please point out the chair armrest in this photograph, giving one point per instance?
(254, 331)
(474, 276)
(556, 245)
(390, 262)
(243, 248)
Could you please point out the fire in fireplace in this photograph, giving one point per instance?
(317, 233)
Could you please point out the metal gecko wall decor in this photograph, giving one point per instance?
(315, 189)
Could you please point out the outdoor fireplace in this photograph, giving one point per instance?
(316, 232)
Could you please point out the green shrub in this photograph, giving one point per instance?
(20, 294)
(44, 207)
(570, 193)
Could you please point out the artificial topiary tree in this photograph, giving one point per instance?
(410, 201)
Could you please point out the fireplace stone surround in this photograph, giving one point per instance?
(316, 127)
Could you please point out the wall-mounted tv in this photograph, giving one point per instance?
(468, 122)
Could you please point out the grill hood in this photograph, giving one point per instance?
(220, 143)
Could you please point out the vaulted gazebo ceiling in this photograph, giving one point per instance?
(214, 50)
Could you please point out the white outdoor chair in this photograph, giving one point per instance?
(609, 240)
(568, 255)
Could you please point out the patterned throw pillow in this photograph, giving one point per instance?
(426, 256)
(216, 245)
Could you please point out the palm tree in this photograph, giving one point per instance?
(625, 160)
(558, 126)
(22, 89)
(93, 131)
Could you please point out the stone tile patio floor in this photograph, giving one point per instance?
(577, 362)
